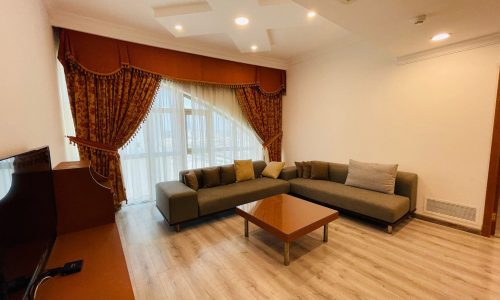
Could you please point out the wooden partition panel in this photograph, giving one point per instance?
(83, 198)
(493, 186)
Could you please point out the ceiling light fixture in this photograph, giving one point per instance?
(178, 27)
(241, 21)
(254, 47)
(440, 37)
(311, 14)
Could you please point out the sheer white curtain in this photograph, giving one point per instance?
(6, 170)
(189, 126)
(71, 151)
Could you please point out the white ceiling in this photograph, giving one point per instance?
(280, 28)
(390, 23)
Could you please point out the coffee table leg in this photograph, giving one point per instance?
(325, 233)
(246, 228)
(286, 253)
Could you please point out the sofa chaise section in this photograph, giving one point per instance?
(388, 209)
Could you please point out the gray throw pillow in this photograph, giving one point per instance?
(371, 176)
(319, 170)
(211, 177)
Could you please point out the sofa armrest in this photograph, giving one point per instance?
(176, 201)
(288, 173)
(406, 185)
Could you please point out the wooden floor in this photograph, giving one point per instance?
(213, 260)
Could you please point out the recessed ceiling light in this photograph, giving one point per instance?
(241, 21)
(254, 47)
(311, 14)
(178, 27)
(440, 36)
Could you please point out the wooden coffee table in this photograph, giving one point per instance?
(287, 217)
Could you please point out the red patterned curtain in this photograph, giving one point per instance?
(107, 111)
(263, 112)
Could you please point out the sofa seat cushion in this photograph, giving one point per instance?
(215, 199)
(377, 205)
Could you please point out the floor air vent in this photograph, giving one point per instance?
(451, 209)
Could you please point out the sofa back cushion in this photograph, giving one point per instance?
(258, 167)
(211, 177)
(372, 176)
(319, 170)
(300, 168)
(306, 169)
(337, 172)
(227, 174)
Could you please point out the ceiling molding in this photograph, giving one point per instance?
(113, 30)
(479, 42)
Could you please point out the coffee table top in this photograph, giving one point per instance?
(286, 216)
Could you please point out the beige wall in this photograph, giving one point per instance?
(29, 106)
(433, 117)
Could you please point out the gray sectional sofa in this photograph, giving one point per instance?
(179, 203)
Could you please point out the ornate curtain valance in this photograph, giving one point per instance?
(105, 56)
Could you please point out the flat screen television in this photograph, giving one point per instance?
(28, 221)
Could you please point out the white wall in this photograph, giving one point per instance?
(433, 117)
(29, 104)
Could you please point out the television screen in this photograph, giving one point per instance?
(27, 221)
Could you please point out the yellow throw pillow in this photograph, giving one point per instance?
(244, 170)
(273, 169)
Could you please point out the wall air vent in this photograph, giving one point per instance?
(451, 209)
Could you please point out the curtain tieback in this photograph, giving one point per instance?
(111, 150)
(272, 140)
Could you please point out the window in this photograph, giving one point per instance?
(188, 127)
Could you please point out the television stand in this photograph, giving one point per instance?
(86, 230)
(104, 274)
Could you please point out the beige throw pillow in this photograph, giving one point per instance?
(273, 169)
(244, 170)
(371, 176)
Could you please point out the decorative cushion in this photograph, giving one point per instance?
(211, 177)
(227, 174)
(273, 169)
(306, 172)
(191, 180)
(300, 168)
(319, 170)
(244, 170)
(371, 176)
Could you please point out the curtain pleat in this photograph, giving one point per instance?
(107, 111)
(264, 113)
